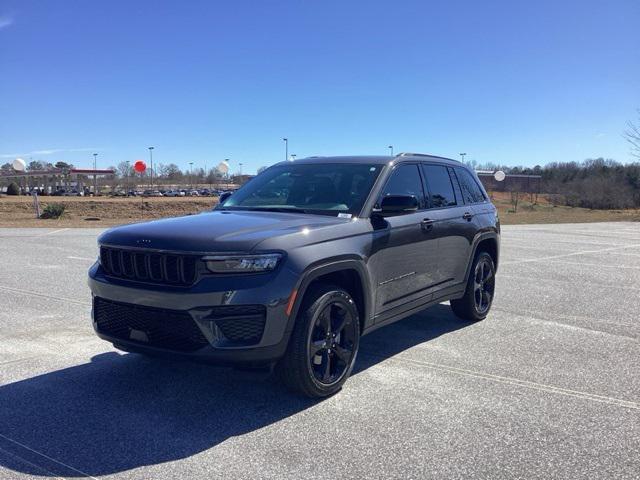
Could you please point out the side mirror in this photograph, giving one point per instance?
(223, 197)
(398, 205)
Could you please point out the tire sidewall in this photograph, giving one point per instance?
(483, 256)
(334, 294)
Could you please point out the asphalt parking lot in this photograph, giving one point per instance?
(548, 386)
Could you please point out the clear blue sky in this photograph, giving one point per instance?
(512, 82)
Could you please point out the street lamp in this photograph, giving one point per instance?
(95, 178)
(462, 157)
(151, 163)
(292, 157)
(127, 177)
(390, 147)
(240, 168)
(191, 174)
(286, 148)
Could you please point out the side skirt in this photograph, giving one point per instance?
(408, 309)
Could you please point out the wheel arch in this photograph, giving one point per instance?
(350, 274)
(488, 242)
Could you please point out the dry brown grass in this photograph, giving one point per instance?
(80, 211)
(19, 212)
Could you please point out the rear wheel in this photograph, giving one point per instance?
(324, 343)
(478, 296)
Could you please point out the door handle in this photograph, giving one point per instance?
(467, 216)
(426, 224)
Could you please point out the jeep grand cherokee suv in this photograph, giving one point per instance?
(293, 268)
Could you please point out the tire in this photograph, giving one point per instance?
(324, 343)
(479, 294)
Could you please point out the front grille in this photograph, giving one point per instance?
(179, 270)
(156, 327)
(242, 324)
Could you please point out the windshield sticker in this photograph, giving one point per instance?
(344, 215)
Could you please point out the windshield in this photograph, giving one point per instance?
(326, 189)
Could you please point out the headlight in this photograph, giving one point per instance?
(242, 263)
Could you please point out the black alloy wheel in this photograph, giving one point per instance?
(324, 343)
(332, 343)
(476, 302)
(484, 284)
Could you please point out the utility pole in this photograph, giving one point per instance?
(151, 162)
(462, 155)
(286, 148)
(127, 177)
(95, 177)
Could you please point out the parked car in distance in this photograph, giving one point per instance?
(294, 267)
(151, 193)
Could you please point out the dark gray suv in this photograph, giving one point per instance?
(293, 268)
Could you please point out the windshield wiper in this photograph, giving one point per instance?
(265, 209)
(278, 209)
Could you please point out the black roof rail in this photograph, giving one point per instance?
(411, 154)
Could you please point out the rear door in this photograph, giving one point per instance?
(451, 227)
(403, 249)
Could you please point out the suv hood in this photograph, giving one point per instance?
(217, 231)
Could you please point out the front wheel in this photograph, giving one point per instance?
(478, 297)
(324, 343)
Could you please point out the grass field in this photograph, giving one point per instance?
(106, 211)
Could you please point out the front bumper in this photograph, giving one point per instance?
(270, 291)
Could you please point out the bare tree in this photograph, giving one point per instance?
(632, 135)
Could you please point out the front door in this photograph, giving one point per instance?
(403, 246)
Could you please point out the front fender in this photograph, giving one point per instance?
(315, 271)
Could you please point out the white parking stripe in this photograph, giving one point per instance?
(46, 456)
(529, 260)
(517, 382)
(43, 295)
(53, 232)
(37, 467)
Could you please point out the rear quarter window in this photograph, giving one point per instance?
(471, 191)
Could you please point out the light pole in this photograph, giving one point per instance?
(191, 174)
(390, 147)
(292, 157)
(95, 178)
(151, 162)
(127, 177)
(286, 148)
(240, 168)
(462, 157)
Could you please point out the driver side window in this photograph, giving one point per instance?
(405, 180)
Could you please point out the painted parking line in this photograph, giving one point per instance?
(44, 295)
(534, 278)
(515, 382)
(32, 450)
(572, 254)
(40, 468)
(53, 232)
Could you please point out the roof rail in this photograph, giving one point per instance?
(411, 154)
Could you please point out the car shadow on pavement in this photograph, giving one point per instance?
(123, 411)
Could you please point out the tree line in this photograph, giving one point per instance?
(593, 183)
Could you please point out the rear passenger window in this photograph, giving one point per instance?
(470, 190)
(439, 186)
(405, 180)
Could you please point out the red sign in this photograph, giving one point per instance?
(139, 166)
